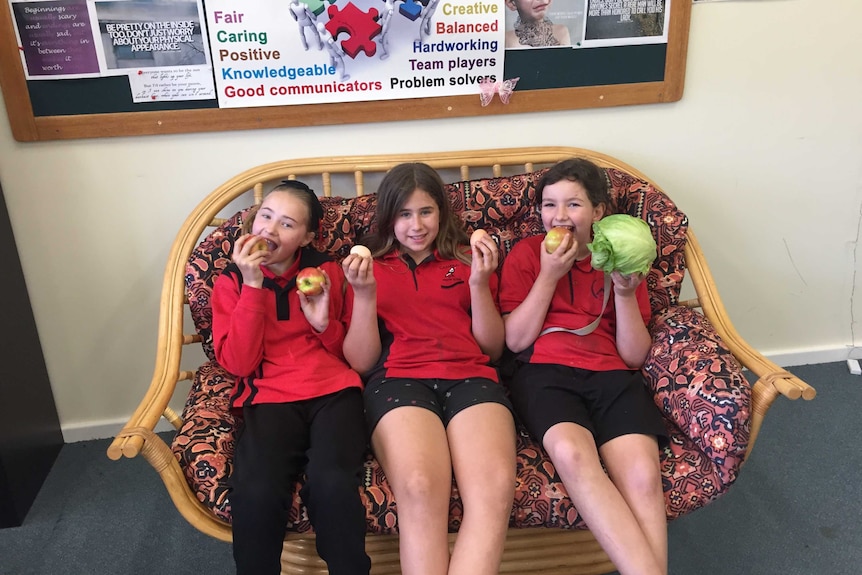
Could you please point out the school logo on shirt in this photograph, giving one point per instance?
(451, 276)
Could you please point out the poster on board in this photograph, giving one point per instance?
(282, 52)
(626, 22)
(55, 39)
(160, 45)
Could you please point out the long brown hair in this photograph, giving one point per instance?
(394, 191)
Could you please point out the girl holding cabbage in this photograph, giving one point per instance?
(575, 317)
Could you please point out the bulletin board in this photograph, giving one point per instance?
(550, 79)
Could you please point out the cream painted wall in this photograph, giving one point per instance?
(764, 153)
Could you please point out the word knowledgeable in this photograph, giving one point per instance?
(229, 73)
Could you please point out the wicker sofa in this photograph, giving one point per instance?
(694, 368)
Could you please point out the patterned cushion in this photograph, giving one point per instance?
(697, 383)
(503, 207)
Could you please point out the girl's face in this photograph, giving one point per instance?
(282, 221)
(530, 10)
(566, 204)
(417, 224)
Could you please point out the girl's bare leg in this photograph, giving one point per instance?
(573, 452)
(633, 465)
(482, 444)
(410, 444)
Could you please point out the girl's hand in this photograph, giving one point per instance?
(316, 307)
(625, 285)
(248, 259)
(486, 257)
(359, 272)
(557, 264)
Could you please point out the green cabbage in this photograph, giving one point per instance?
(622, 243)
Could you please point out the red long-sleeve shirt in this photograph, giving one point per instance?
(261, 336)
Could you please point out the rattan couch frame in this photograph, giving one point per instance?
(528, 551)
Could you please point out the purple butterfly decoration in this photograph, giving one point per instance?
(487, 88)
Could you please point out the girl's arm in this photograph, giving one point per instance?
(238, 325)
(362, 346)
(324, 311)
(525, 322)
(633, 338)
(487, 325)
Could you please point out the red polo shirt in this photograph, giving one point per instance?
(426, 326)
(577, 301)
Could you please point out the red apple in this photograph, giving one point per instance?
(310, 281)
(555, 237)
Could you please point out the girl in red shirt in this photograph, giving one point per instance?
(582, 394)
(434, 405)
(301, 402)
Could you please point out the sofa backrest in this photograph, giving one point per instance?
(503, 206)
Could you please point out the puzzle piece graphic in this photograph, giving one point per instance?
(317, 6)
(412, 8)
(361, 26)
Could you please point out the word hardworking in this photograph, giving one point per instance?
(449, 46)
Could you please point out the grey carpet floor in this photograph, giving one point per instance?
(795, 509)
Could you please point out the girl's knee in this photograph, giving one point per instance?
(574, 459)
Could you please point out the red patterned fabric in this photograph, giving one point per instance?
(697, 384)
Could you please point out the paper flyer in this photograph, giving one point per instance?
(136, 34)
(544, 24)
(626, 22)
(56, 39)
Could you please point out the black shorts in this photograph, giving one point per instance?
(608, 403)
(445, 397)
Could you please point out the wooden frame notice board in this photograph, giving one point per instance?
(551, 79)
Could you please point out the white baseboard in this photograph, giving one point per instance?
(808, 356)
(86, 431)
(105, 429)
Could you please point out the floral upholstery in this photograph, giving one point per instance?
(697, 384)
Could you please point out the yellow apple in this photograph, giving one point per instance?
(476, 236)
(557, 236)
(361, 251)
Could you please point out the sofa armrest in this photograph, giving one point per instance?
(699, 387)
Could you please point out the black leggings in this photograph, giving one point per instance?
(326, 437)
